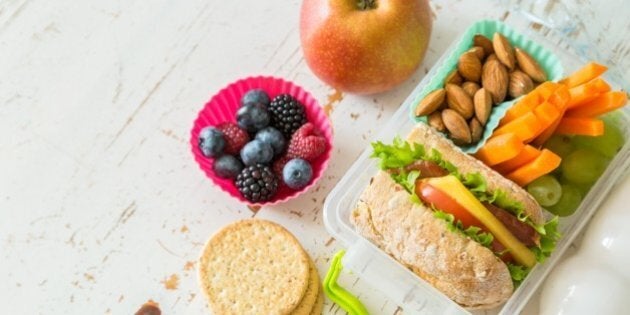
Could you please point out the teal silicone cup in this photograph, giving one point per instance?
(547, 60)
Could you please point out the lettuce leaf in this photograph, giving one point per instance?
(517, 272)
(473, 232)
(548, 240)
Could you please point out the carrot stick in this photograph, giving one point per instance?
(547, 114)
(560, 97)
(543, 164)
(500, 149)
(529, 153)
(586, 92)
(602, 104)
(524, 127)
(524, 105)
(583, 75)
(580, 126)
(546, 89)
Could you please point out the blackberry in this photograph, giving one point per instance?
(287, 114)
(257, 183)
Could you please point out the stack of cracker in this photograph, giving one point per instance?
(258, 267)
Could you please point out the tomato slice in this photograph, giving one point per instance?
(441, 200)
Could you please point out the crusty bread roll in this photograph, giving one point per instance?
(462, 269)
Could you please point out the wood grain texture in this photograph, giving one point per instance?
(100, 199)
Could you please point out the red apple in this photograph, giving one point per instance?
(364, 46)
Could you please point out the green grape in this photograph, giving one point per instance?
(568, 203)
(546, 190)
(583, 166)
(560, 145)
(607, 144)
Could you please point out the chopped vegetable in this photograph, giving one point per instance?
(500, 149)
(525, 127)
(520, 108)
(586, 92)
(543, 164)
(580, 126)
(589, 72)
(528, 154)
(602, 104)
(446, 202)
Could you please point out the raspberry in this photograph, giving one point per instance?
(279, 163)
(235, 137)
(306, 143)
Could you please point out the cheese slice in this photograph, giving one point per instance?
(463, 196)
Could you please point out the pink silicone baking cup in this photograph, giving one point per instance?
(222, 107)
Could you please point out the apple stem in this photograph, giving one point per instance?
(366, 4)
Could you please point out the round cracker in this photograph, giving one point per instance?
(253, 267)
(319, 304)
(310, 296)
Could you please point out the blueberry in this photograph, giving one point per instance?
(211, 142)
(252, 117)
(273, 137)
(255, 96)
(255, 152)
(227, 166)
(297, 173)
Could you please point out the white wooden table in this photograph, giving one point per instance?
(101, 205)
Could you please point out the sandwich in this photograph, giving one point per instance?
(459, 225)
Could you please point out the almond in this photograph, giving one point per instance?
(456, 126)
(520, 84)
(453, 78)
(530, 66)
(495, 80)
(483, 105)
(458, 100)
(476, 130)
(483, 42)
(492, 57)
(504, 50)
(469, 66)
(430, 103)
(435, 121)
(479, 52)
(470, 88)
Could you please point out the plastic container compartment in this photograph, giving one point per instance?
(402, 286)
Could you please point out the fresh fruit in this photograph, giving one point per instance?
(364, 46)
(255, 96)
(588, 72)
(257, 183)
(211, 142)
(235, 137)
(604, 103)
(607, 144)
(256, 152)
(287, 114)
(528, 154)
(546, 190)
(580, 126)
(569, 201)
(560, 144)
(297, 173)
(253, 117)
(279, 163)
(274, 138)
(306, 143)
(227, 166)
(583, 166)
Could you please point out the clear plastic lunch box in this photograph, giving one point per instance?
(402, 286)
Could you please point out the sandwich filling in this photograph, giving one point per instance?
(463, 202)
